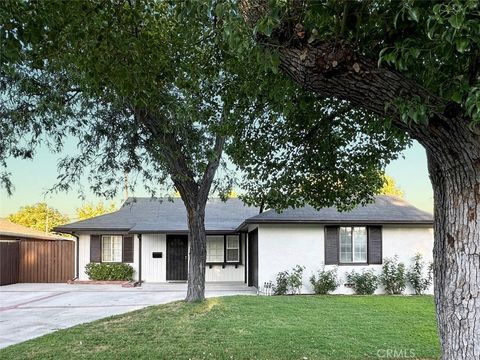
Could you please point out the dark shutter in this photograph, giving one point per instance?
(95, 248)
(375, 245)
(331, 245)
(127, 249)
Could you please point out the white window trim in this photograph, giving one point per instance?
(111, 249)
(353, 246)
(223, 249)
(232, 248)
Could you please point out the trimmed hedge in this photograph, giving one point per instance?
(109, 271)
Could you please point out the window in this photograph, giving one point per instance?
(233, 248)
(353, 245)
(112, 248)
(215, 250)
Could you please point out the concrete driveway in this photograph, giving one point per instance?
(31, 310)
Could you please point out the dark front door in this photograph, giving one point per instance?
(253, 258)
(177, 257)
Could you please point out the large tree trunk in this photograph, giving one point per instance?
(197, 253)
(456, 185)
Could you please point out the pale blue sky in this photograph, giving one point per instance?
(32, 178)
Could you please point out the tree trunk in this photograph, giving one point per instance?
(197, 253)
(456, 186)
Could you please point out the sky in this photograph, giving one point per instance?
(32, 179)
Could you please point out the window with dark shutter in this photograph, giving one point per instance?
(331, 245)
(95, 248)
(127, 254)
(374, 244)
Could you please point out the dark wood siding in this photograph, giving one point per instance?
(95, 248)
(374, 244)
(127, 249)
(177, 257)
(331, 245)
(253, 258)
(9, 262)
(44, 261)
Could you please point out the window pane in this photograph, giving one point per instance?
(214, 248)
(107, 248)
(232, 255)
(345, 244)
(112, 248)
(233, 248)
(360, 244)
(232, 242)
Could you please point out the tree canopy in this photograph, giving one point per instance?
(40, 217)
(119, 77)
(89, 210)
(390, 187)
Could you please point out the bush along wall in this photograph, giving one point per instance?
(393, 277)
(364, 283)
(109, 271)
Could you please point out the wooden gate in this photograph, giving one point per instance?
(36, 261)
(9, 262)
(46, 261)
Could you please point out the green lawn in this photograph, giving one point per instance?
(249, 327)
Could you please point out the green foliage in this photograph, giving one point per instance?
(90, 210)
(325, 281)
(289, 281)
(281, 283)
(390, 187)
(40, 217)
(364, 283)
(109, 271)
(393, 276)
(419, 275)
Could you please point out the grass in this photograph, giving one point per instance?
(249, 327)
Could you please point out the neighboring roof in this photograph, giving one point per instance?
(154, 215)
(149, 215)
(385, 210)
(8, 228)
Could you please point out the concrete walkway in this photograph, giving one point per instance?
(31, 310)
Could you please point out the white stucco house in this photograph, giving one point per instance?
(249, 247)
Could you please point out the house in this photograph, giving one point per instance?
(31, 256)
(244, 245)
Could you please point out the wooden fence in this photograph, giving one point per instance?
(9, 262)
(44, 261)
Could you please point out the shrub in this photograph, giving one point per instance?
(416, 276)
(393, 276)
(325, 281)
(281, 285)
(287, 282)
(109, 271)
(364, 283)
(295, 280)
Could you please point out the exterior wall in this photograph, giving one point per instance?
(228, 273)
(281, 247)
(154, 270)
(84, 254)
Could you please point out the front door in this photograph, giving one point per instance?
(177, 257)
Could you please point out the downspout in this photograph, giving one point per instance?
(77, 257)
(140, 259)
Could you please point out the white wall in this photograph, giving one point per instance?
(154, 270)
(84, 254)
(229, 273)
(281, 247)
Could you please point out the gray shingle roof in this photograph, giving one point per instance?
(385, 210)
(143, 215)
(149, 215)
